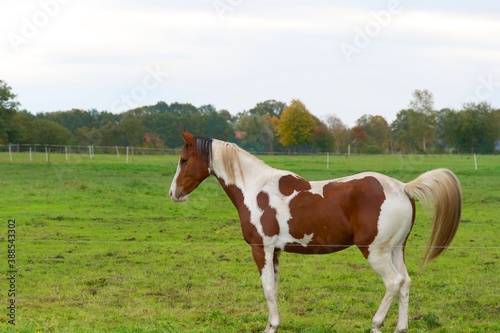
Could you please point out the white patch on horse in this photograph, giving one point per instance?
(173, 186)
(318, 186)
(304, 241)
(259, 177)
(396, 206)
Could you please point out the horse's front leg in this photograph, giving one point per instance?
(267, 260)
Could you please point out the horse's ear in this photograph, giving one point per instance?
(188, 137)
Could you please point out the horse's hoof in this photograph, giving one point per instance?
(271, 328)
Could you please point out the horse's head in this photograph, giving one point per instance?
(193, 166)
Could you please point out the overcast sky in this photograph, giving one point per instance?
(347, 58)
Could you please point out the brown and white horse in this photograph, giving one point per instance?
(280, 211)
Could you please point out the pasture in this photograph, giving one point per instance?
(100, 247)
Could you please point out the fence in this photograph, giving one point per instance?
(41, 152)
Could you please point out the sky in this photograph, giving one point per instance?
(343, 58)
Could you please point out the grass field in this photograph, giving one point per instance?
(100, 247)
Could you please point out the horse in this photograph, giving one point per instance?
(280, 211)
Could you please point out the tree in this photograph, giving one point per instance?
(376, 129)
(132, 130)
(22, 128)
(338, 130)
(88, 136)
(477, 131)
(358, 137)
(110, 134)
(296, 125)
(8, 109)
(400, 131)
(270, 107)
(269, 111)
(323, 139)
(184, 108)
(423, 101)
(50, 133)
(274, 122)
(447, 128)
(214, 124)
(153, 140)
(423, 123)
(72, 119)
(257, 132)
(410, 128)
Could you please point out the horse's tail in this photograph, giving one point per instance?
(441, 189)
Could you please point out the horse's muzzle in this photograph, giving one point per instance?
(178, 197)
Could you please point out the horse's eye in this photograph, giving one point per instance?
(183, 161)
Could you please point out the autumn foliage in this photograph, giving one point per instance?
(296, 125)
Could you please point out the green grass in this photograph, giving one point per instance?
(101, 248)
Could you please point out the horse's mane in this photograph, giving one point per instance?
(222, 157)
(204, 148)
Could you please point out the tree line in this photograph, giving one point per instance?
(270, 126)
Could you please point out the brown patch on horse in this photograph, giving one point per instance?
(368, 201)
(259, 257)
(347, 214)
(290, 183)
(268, 219)
(250, 233)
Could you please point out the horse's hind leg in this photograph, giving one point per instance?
(404, 291)
(381, 261)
